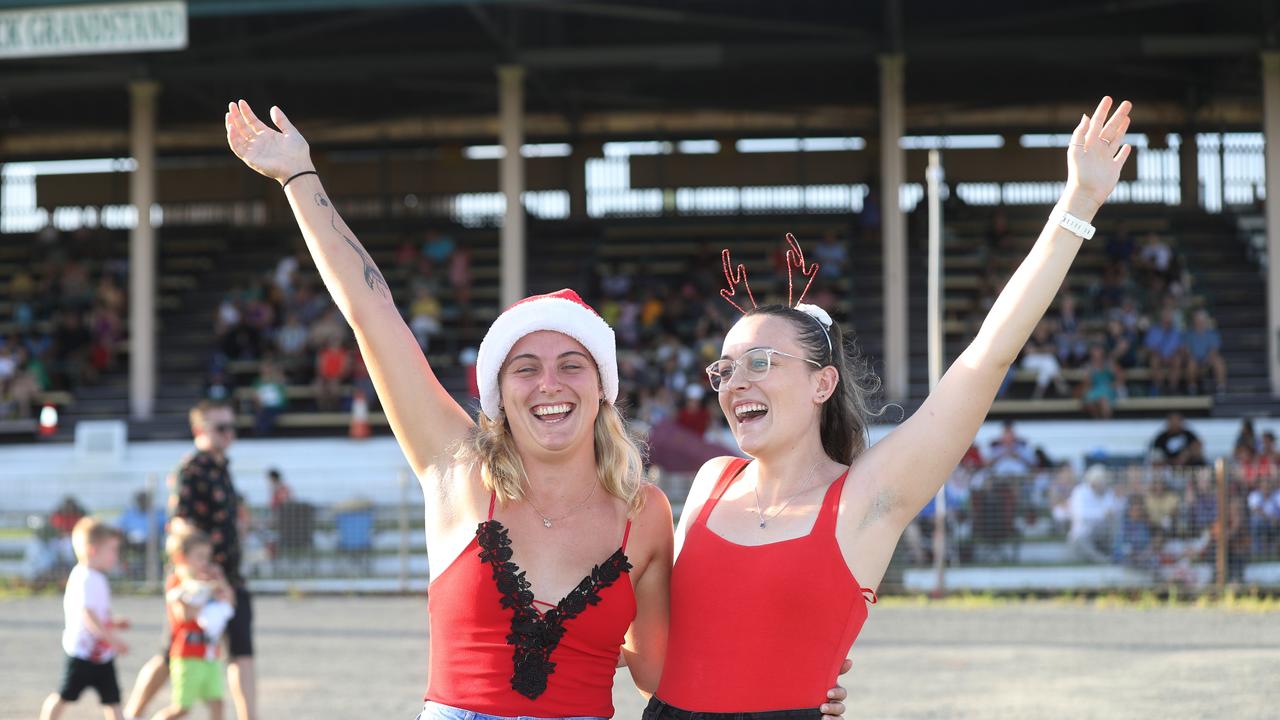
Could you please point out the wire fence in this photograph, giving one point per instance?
(1054, 530)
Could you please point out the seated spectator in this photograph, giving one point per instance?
(1264, 517)
(1200, 503)
(1252, 465)
(1121, 344)
(219, 385)
(437, 248)
(106, 330)
(1040, 355)
(832, 255)
(1136, 539)
(1203, 345)
(71, 343)
(1247, 435)
(1162, 505)
(329, 328)
(140, 524)
(424, 316)
(1103, 384)
(1011, 454)
(1173, 445)
(460, 280)
(228, 315)
(269, 398)
(1155, 260)
(1120, 247)
(1092, 511)
(694, 415)
(291, 345)
(1072, 348)
(333, 365)
(1163, 344)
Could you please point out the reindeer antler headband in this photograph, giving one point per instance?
(795, 261)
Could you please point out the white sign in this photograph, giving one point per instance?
(93, 29)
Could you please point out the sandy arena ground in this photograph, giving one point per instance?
(366, 657)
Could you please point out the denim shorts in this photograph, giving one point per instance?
(658, 710)
(436, 711)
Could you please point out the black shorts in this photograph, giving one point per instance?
(239, 632)
(658, 710)
(80, 674)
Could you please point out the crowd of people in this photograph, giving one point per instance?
(1140, 313)
(1158, 513)
(65, 321)
(284, 321)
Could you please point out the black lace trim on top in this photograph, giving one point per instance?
(533, 634)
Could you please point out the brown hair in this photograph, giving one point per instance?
(847, 413)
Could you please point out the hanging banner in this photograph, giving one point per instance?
(93, 29)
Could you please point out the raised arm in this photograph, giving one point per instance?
(908, 466)
(425, 420)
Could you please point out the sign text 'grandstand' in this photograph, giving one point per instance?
(92, 29)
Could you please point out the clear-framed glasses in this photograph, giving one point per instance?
(755, 363)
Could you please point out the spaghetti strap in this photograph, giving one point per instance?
(625, 534)
(870, 596)
(492, 497)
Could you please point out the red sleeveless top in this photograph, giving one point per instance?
(759, 628)
(495, 651)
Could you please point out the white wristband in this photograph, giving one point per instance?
(1073, 224)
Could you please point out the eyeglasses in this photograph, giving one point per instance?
(224, 427)
(755, 363)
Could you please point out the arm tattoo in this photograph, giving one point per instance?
(372, 277)
(884, 502)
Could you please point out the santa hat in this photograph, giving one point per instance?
(561, 311)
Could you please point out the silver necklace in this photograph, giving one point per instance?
(755, 489)
(546, 521)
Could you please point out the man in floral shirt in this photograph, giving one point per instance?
(202, 495)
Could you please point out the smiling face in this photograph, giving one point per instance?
(779, 410)
(550, 392)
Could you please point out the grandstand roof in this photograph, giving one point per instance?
(790, 63)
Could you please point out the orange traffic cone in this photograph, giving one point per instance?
(360, 416)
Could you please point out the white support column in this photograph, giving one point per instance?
(894, 228)
(142, 250)
(511, 172)
(1271, 132)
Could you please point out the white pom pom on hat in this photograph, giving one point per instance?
(562, 311)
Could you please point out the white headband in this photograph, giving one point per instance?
(824, 322)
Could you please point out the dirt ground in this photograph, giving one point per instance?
(366, 657)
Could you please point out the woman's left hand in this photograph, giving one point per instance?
(1097, 153)
(834, 709)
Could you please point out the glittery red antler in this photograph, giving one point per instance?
(795, 259)
(733, 277)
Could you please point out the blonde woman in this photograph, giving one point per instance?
(548, 555)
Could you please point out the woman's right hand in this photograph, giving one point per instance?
(278, 154)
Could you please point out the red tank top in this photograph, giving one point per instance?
(759, 628)
(494, 651)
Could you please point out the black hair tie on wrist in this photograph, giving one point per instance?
(285, 184)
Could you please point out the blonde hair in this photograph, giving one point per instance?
(90, 532)
(619, 461)
(182, 541)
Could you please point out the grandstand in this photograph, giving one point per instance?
(647, 136)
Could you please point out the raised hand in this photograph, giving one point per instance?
(1098, 152)
(278, 154)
